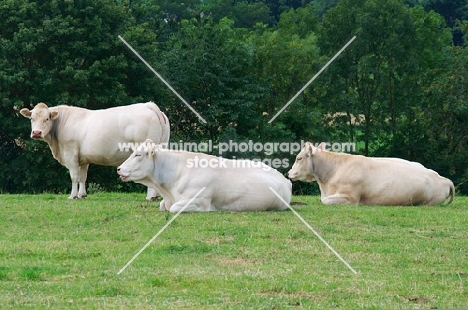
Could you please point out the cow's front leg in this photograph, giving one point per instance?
(83, 173)
(78, 176)
(338, 199)
(152, 194)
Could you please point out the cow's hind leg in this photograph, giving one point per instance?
(83, 173)
(162, 206)
(197, 205)
(337, 199)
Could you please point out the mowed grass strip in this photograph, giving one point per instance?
(56, 253)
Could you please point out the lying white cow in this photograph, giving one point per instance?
(355, 179)
(78, 137)
(231, 185)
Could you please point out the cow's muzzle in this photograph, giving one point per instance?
(36, 134)
(291, 175)
(122, 176)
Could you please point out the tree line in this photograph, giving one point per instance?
(404, 78)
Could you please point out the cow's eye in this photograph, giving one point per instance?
(299, 158)
(137, 155)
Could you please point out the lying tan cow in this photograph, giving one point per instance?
(355, 179)
(78, 137)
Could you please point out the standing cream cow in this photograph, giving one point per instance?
(78, 137)
(355, 179)
(230, 185)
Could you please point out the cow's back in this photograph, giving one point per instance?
(393, 181)
(230, 185)
(101, 135)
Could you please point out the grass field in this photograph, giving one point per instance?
(56, 253)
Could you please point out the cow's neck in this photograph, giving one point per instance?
(52, 138)
(166, 163)
(324, 165)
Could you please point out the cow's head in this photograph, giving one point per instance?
(302, 169)
(140, 164)
(42, 120)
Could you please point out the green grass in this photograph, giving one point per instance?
(56, 253)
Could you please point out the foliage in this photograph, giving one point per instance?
(207, 63)
(398, 90)
(446, 114)
(453, 11)
(62, 53)
(245, 14)
(374, 73)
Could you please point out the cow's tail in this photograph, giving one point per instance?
(167, 130)
(451, 193)
(163, 121)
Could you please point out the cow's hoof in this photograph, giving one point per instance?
(152, 198)
(77, 197)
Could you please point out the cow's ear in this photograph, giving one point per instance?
(322, 146)
(310, 148)
(151, 147)
(25, 112)
(152, 150)
(314, 150)
(54, 114)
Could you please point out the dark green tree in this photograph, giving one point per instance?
(63, 53)
(244, 13)
(445, 99)
(286, 58)
(453, 11)
(208, 64)
(376, 77)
